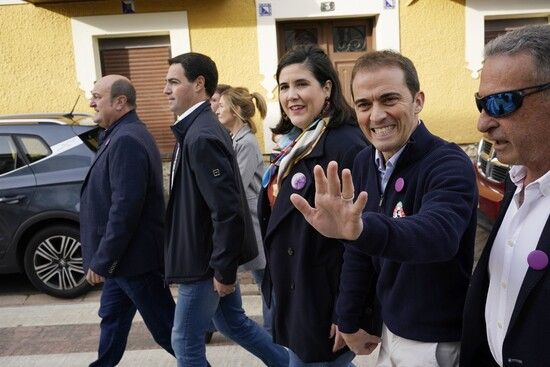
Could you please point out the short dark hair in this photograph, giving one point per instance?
(317, 61)
(195, 65)
(375, 60)
(123, 87)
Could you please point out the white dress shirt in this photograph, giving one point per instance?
(517, 236)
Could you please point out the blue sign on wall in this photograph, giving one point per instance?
(264, 9)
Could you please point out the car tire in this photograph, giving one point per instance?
(53, 262)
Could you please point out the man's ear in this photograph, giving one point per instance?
(418, 102)
(120, 102)
(199, 83)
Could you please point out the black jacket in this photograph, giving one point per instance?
(303, 267)
(121, 203)
(526, 340)
(209, 229)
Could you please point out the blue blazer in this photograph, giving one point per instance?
(122, 204)
(526, 340)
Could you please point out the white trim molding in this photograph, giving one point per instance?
(477, 11)
(12, 2)
(87, 31)
(386, 35)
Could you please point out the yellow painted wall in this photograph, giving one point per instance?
(432, 36)
(37, 71)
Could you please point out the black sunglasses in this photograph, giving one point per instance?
(505, 103)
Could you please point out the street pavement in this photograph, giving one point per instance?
(39, 330)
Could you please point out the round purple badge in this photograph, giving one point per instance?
(399, 184)
(537, 260)
(298, 181)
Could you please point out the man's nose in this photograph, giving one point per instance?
(378, 113)
(486, 122)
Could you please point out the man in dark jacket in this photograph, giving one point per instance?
(506, 317)
(121, 226)
(411, 245)
(209, 228)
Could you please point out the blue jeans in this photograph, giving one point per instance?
(197, 304)
(120, 298)
(266, 311)
(343, 361)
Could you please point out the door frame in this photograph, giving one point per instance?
(268, 14)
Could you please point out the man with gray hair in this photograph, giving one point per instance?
(506, 317)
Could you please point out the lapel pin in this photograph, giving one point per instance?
(537, 259)
(398, 211)
(298, 181)
(399, 184)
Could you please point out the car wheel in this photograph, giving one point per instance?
(53, 262)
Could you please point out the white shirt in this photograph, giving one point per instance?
(180, 118)
(517, 236)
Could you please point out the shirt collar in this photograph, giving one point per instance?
(189, 111)
(381, 164)
(518, 173)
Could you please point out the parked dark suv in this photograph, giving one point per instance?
(491, 174)
(44, 159)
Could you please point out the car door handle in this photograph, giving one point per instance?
(12, 199)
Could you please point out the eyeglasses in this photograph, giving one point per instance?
(505, 103)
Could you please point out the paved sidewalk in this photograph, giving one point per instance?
(38, 330)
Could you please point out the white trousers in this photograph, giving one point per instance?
(396, 351)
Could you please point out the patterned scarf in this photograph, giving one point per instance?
(296, 149)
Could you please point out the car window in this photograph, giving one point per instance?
(9, 160)
(91, 138)
(35, 148)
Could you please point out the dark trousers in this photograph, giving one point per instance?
(120, 298)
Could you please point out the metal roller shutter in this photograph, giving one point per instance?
(146, 67)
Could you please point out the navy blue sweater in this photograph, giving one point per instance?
(418, 259)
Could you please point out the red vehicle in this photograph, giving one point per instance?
(490, 179)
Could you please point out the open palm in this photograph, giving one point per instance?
(335, 214)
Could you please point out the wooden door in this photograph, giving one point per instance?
(344, 40)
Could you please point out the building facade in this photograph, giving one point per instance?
(51, 52)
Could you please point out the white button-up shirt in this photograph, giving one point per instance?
(517, 236)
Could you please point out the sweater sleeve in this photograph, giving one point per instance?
(434, 232)
(357, 277)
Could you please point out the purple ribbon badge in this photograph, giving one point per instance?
(399, 184)
(537, 260)
(298, 181)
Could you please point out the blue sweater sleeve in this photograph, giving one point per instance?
(434, 231)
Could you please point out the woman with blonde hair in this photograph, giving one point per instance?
(237, 107)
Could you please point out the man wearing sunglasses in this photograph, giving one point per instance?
(507, 311)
